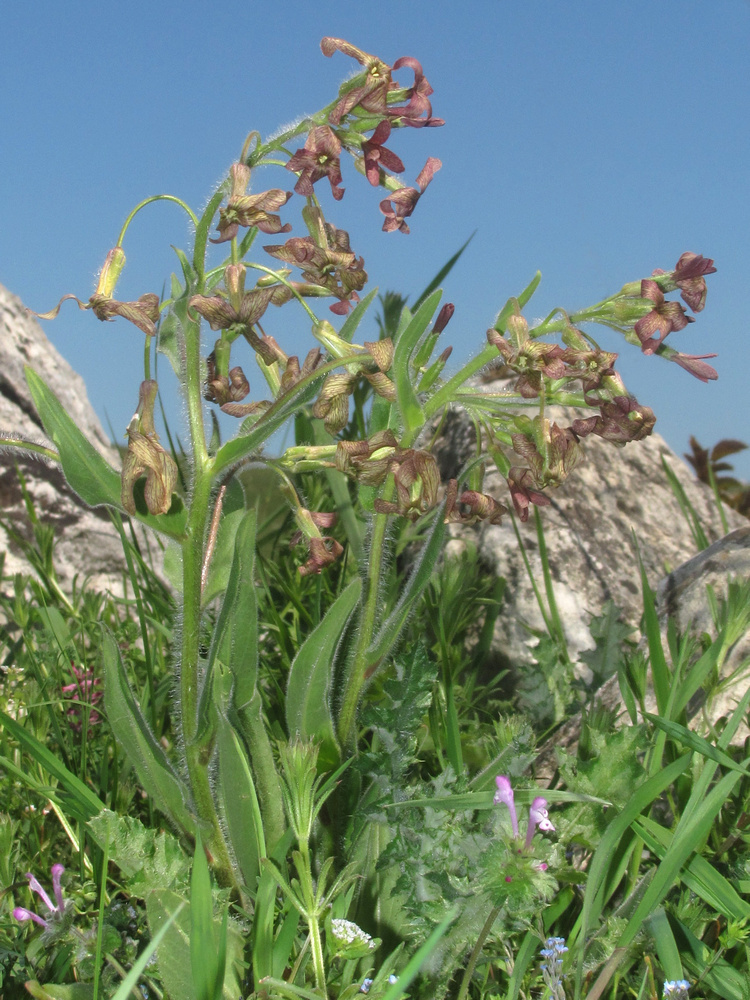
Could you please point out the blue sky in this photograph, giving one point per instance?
(593, 141)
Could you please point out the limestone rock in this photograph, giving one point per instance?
(615, 495)
(87, 546)
(683, 596)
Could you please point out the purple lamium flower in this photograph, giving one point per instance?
(504, 796)
(54, 910)
(538, 818)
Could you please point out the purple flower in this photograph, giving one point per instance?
(538, 818)
(54, 912)
(504, 796)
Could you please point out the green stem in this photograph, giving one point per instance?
(147, 201)
(312, 915)
(192, 566)
(445, 393)
(357, 675)
(476, 952)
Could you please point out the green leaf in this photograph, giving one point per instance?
(84, 802)
(239, 801)
(510, 306)
(355, 317)
(235, 646)
(53, 991)
(391, 629)
(442, 274)
(205, 957)
(690, 832)
(308, 707)
(606, 853)
(690, 513)
(174, 957)
(403, 376)
(666, 946)
(148, 859)
(87, 472)
(151, 764)
(699, 876)
(129, 982)
(688, 738)
(660, 672)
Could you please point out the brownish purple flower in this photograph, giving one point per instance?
(523, 492)
(417, 480)
(694, 363)
(591, 366)
(621, 420)
(662, 320)
(145, 454)
(333, 267)
(319, 158)
(369, 93)
(400, 204)
(417, 112)
(481, 506)
(250, 209)
(377, 156)
(323, 549)
(689, 278)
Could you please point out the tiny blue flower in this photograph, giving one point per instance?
(676, 989)
(552, 968)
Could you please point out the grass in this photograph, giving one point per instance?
(647, 874)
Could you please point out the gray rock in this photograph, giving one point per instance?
(683, 595)
(87, 546)
(617, 496)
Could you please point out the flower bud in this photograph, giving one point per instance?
(110, 272)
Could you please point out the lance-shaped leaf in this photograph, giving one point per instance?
(87, 472)
(406, 344)
(83, 803)
(235, 646)
(239, 805)
(391, 628)
(155, 772)
(174, 955)
(308, 696)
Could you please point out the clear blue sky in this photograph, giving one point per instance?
(593, 141)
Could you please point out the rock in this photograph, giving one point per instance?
(615, 496)
(87, 545)
(683, 596)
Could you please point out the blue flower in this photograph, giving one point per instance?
(552, 968)
(676, 989)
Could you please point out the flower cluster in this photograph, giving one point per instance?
(86, 689)
(676, 989)
(552, 967)
(54, 919)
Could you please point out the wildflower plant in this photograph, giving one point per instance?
(246, 777)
